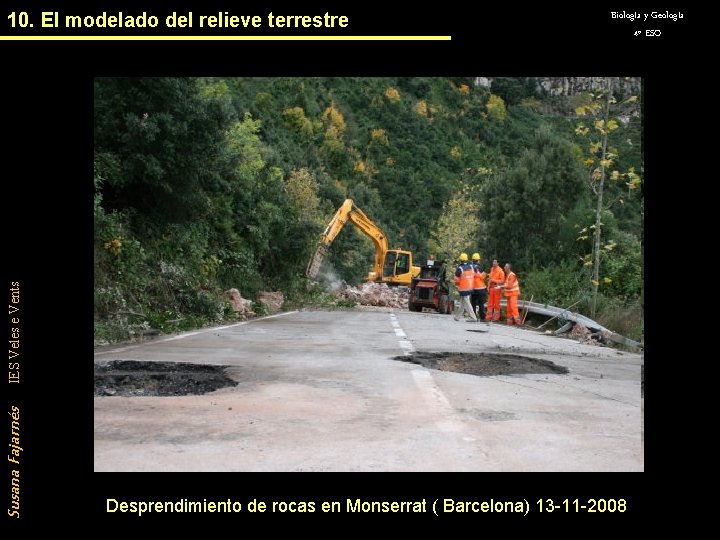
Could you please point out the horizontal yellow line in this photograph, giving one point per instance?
(225, 38)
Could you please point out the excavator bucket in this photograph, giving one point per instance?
(313, 266)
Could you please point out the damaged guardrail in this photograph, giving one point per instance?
(573, 318)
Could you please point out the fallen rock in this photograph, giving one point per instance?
(273, 301)
(240, 305)
(582, 334)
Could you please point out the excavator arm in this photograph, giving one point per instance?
(349, 212)
(378, 237)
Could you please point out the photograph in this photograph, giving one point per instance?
(285, 269)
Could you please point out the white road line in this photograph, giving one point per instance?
(405, 344)
(195, 333)
(445, 418)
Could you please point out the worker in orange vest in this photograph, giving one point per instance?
(465, 281)
(512, 291)
(495, 282)
(479, 295)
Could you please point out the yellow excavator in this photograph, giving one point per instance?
(392, 266)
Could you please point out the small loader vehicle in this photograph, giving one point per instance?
(429, 289)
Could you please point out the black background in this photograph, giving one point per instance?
(47, 227)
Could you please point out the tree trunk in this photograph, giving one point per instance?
(596, 243)
(599, 208)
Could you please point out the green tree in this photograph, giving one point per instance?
(601, 160)
(333, 146)
(526, 205)
(298, 123)
(511, 89)
(496, 108)
(302, 191)
(162, 136)
(456, 229)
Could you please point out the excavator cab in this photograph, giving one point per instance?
(389, 264)
(397, 263)
(398, 267)
(402, 263)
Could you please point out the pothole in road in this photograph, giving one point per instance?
(482, 364)
(133, 378)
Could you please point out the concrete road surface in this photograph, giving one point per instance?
(320, 391)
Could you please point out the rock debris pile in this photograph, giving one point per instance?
(377, 294)
(582, 334)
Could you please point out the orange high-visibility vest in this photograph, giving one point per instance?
(512, 287)
(466, 281)
(479, 280)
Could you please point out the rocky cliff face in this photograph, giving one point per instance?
(568, 86)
